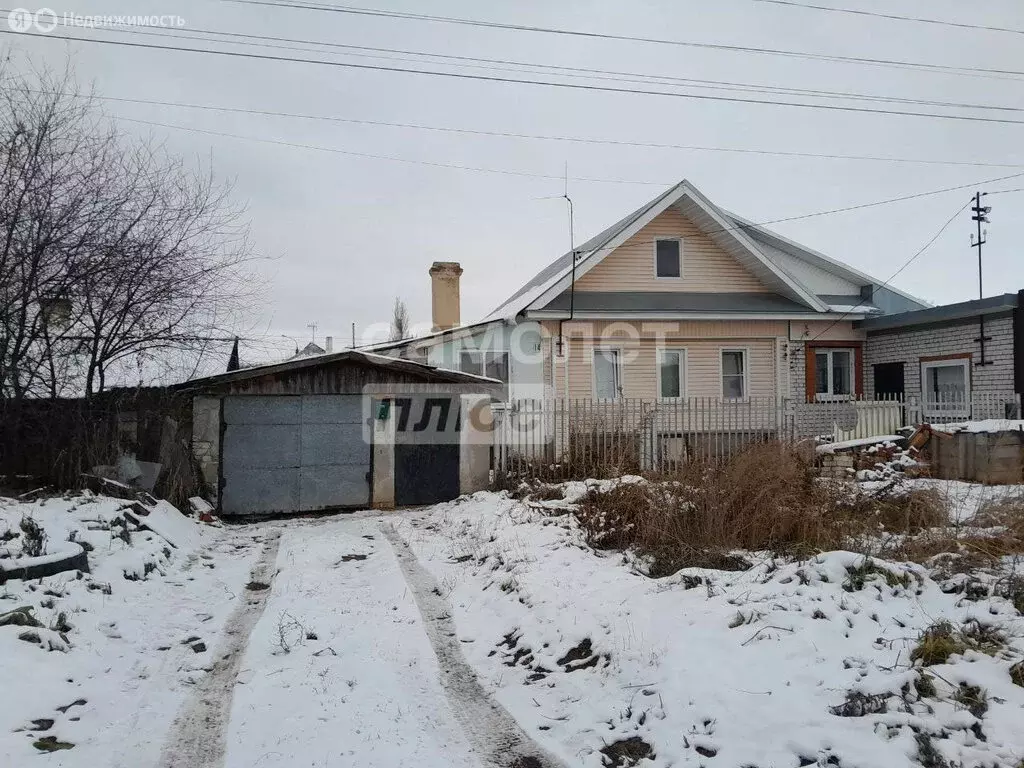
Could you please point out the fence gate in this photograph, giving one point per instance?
(293, 454)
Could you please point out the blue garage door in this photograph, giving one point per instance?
(293, 454)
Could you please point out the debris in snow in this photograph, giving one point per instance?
(864, 442)
(51, 744)
(19, 617)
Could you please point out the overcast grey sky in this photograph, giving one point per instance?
(349, 233)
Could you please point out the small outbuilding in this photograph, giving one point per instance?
(340, 430)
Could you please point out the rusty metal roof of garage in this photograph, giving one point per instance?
(427, 373)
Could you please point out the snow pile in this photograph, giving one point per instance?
(95, 662)
(105, 526)
(784, 664)
(984, 425)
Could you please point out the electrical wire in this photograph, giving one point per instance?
(522, 81)
(893, 16)
(362, 11)
(540, 137)
(740, 227)
(507, 65)
(895, 274)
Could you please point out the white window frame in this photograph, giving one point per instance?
(746, 373)
(830, 396)
(955, 413)
(684, 370)
(655, 257)
(618, 372)
(481, 368)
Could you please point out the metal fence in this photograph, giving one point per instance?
(582, 437)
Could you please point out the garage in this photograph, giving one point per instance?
(346, 430)
(294, 453)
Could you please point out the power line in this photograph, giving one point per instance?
(895, 274)
(894, 17)
(542, 137)
(359, 11)
(521, 81)
(526, 174)
(507, 65)
(391, 158)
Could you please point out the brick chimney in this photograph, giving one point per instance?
(444, 294)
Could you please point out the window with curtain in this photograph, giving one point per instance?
(734, 374)
(671, 372)
(833, 373)
(606, 374)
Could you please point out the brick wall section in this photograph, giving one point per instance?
(910, 345)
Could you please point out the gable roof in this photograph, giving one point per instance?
(751, 245)
(772, 241)
(429, 373)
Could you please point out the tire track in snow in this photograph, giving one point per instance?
(198, 737)
(489, 727)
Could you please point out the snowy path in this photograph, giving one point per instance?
(339, 669)
(489, 726)
(197, 736)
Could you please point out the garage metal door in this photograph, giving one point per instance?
(293, 454)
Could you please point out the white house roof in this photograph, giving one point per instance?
(793, 271)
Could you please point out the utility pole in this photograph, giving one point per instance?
(312, 326)
(980, 216)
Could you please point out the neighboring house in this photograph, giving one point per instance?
(679, 299)
(957, 359)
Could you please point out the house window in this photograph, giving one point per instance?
(833, 373)
(946, 387)
(668, 258)
(492, 364)
(734, 374)
(496, 366)
(607, 385)
(671, 372)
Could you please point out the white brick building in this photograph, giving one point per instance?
(934, 352)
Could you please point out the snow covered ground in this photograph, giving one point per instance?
(715, 668)
(484, 633)
(120, 667)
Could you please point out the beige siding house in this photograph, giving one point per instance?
(679, 299)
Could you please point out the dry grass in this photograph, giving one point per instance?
(937, 644)
(769, 498)
(766, 498)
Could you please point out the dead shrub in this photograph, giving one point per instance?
(972, 698)
(1006, 512)
(937, 643)
(861, 575)
(33, 541)
(898, 509)
(1017, 674)
(765, 498)
(545, 492)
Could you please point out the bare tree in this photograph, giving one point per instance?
(399, 321)
(113, 254)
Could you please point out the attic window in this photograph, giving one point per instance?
(668, 258)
